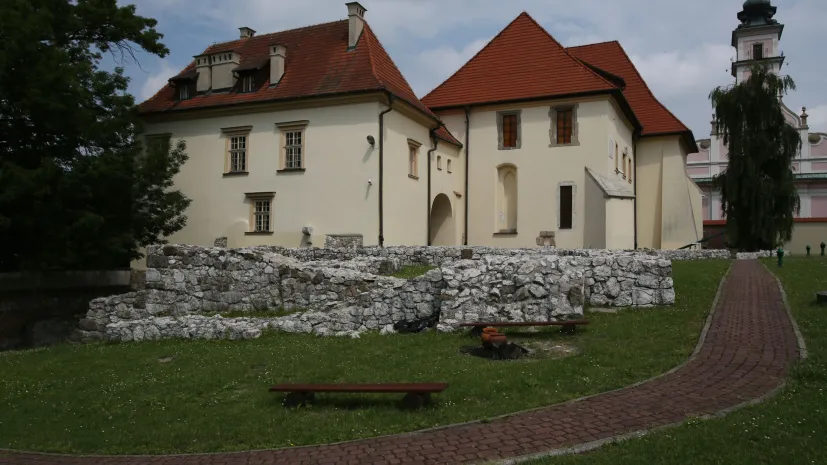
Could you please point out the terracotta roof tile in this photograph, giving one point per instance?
(522, 61)
(317, 63)
(653, 115)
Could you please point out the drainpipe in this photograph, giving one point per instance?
(467, 144)
(435, 142)
(381, 170)
(634, 182)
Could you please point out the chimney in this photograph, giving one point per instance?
(202, 65)
(714, 124)
(356, 23)
(245, 32)
(804, 116)
(278, 54)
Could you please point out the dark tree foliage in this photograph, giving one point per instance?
(757, 189)
(77, 189)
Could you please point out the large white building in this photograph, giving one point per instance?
(312, 135)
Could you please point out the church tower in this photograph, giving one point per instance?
(756, 39)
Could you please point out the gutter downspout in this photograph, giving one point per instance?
(435, 143)
(467, 144)
(634, 183)
(381, 170)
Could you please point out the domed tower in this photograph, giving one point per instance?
(756, 39)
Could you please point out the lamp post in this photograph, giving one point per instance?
(780, 254)
(808, 250)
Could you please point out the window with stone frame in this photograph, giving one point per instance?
(261, 212)
(449, 165)
(757, 51)
(564, 127)
(413, 158)
(508, 130)
(566, 206)
(159, 142)
(439, 162)
(237, 150)
(238, 153)
(293, 152)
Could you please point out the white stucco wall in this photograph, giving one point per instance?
(594, 235)
(406, 199)
(667, 200)
(333, 194)
(540, 169)
(620, 223)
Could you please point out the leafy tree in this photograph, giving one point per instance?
(77, 190)
(757, 189)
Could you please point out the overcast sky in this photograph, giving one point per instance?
(681, 47)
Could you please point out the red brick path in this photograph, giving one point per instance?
(747, 352)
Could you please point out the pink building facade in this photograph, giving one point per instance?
(756, 40)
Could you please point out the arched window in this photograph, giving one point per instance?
(506, 204)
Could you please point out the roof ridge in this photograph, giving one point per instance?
(490, 41)
(615, 41)
(646, 86)
(565, 50)
(227, 42)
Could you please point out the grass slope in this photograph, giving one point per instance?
(789, 429)
(199, 396)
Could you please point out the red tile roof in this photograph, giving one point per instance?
(318, 63)
(522, 61)
(653, 115)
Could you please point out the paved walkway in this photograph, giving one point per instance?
(747, 352)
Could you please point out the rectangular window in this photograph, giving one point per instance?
(629, 175)
(238, 154)
(509, 131)
(184, 91)
(624, 166)
(617, 169)
(757, 51)
(412, 161)
(247, 83)
(564, 126)
(566, 207)
(449, 166)
(293, 150)
(438, 162)
(261, 216)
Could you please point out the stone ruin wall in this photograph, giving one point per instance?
(346, 291)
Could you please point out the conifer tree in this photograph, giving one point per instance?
(757, 188)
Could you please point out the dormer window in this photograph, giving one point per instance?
(184, 91)
(247, 83)
(757, 51)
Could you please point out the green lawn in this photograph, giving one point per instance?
(197, 396)
(412, 271)
(789, 429)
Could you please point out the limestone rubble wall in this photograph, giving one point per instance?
(347, 291)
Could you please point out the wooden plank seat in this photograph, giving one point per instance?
(567, 326)
(416, 394)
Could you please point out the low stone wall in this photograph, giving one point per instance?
(754, 255)
(349, 292)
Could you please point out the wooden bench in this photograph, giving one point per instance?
(416, 394)
(568, 326)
